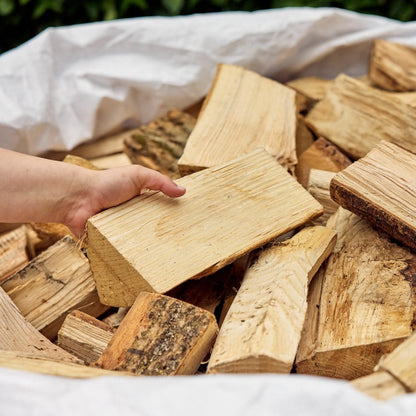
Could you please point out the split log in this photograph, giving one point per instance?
(13, 255)
(395, 374)
(114, 320)
(380, 385)
(79, 161)
(318, 187)
(159, 144)
(53, 284)
(84, 336)
(242, 112)
(112, 161)
(147, 243)
(160, 336)
(393, 66)
(47, 234)
(304, 137)
(313, 88)
(381, 187)
(321, 155)
(362, 303)
(34, 363)
(17, 334)
(261, 332)
(357, 117)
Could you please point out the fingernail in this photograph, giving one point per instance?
(181, 188)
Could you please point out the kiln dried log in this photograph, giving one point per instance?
(381, 187)
(242, 112)
(160, 336)
(262, 329)
(362, 302)
(357, 117)
(53, 284)
(154, 243)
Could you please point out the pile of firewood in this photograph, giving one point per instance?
(293, 249)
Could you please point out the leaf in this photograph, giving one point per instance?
(6, 7)
(110, 10)
(173, 7)
(47, 5)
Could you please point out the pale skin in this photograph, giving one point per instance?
(34, 189)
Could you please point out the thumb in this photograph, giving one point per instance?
(156, 181)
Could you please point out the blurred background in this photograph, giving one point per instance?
(20, 20)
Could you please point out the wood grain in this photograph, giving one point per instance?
(381, 187)
(160, 336)
(362, 305)
(356, 117)
(53, 284)
(262, 329)
(392, 66)
(155, 243)
(242, 112)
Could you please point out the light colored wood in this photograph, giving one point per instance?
(13, 255)
(314, 88)
(304, 137)
(401, 363)
(154, 243)
(262, 329)
(53, 284)
(242, 112)
(356, 117)
(32, 362)
(381, 187)
(112, 161)
(91, 149)
(17, 334)
(115, 319)
(84, 336)
(364, 306)
(380, 385)
(159, 144)
(80, 161)
(47, 234)
(392, 66)
(321, 155)
(160, 336)
(318, 187)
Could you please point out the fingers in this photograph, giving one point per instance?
(156, 181)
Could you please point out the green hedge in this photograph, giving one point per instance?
(20, 20)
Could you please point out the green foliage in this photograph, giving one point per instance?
(20, 20)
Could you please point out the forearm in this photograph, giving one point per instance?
(37, 189)
(34, 189)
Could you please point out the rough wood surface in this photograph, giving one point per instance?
(380, 385)
(155, 243)
(53, 284)
(242, 112)
(34, 363)
(17, 334)
(362, 304)
(111, 161)
(381, 187)
(47, 234)
(13, 255)
(304, 137)
(80, 161)
(401, 363)
(322, 155)
(115, 319)
(160, 336)
(159, 144)
(393, 66)
(262, 329)
(356, 117)
(318, 187)
(84, 336)
(314, 88)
